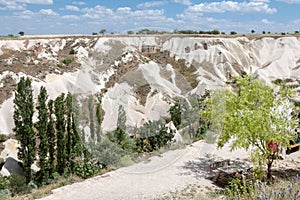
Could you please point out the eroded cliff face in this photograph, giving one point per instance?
(142, 73)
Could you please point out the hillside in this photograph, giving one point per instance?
(142, 73)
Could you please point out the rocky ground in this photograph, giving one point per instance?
(163, 177)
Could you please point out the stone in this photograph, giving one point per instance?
(222, 172)
(13, 166)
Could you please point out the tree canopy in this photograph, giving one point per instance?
(251, 116)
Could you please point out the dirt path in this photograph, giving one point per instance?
(173, 170)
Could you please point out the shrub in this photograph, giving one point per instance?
(67, 61)
(85, 166)
(279, 190)
(17, 184)
(5, 194)
(239, 187)
(72, 52)
(2, 138)
(4, 182)
(107, 153)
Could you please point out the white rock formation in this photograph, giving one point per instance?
(214, 60)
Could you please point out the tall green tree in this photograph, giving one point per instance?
(69, 130)
(121, 118)
(253, 117)
(91, 116)
(99, 117)
(51, 136)
(24, 129)
(41, 126)
(60, 126)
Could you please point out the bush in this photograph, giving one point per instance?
(86, 167)
(4, 182)
(72, 52)
(239, 187)
(67, 61)
(121, 138)
(17, 184)
(107, 153)
(2, 138)
(279, 190)
(5, 194)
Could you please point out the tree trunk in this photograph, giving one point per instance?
(269, 175)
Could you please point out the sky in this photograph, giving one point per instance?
(119, 16)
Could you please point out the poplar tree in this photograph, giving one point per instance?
(24, 130)
(99, 117)
(60, 133)
(69, 139)
(91, 112)
(51, 138)
(41, 126)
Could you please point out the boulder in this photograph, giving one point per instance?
(10, 150)
(222, 172)
(12, 166)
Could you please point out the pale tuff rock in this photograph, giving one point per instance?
(145, 83)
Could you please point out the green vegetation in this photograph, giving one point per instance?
(41, 126)
(72, 52)
(67, 62)
(249, 116)
(176, 31)
(282, 189)
(102, 31)
(24, 129)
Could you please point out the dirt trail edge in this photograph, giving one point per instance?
(173, 170)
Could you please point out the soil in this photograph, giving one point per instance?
(165, 175)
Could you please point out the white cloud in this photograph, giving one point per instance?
(124, 9)
(73, 17)
(49, 12)
(290, 1)
(97, 12)
(266, 21)
(233, 6)
(150, 4)
(7, 2)
(21, 4)
(72, 8)
(13, 6)
(80, 3)
(26, 14)
(184, 2)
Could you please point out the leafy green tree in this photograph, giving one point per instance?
(41, 126)
(51, 136)
(24, 129)
(60, 126)
(21, 33)
(253, 117)
(102, 31)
